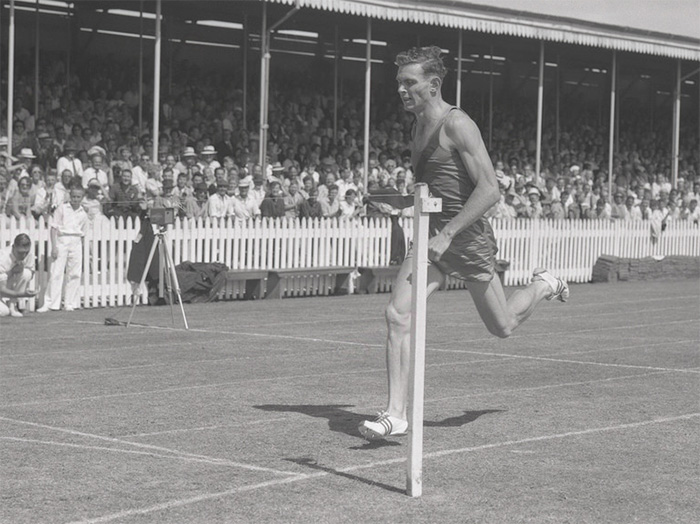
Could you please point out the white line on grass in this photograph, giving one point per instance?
(123, 332)
(213, 460)
(137, 346)
(490, 393)
(363, 344)
(500, 357)
(431, 455)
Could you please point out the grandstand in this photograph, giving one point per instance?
(562, 98)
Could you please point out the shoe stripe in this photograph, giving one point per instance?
(386, 423)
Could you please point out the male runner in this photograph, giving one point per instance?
(449, 155)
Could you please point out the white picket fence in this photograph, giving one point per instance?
(567, 247)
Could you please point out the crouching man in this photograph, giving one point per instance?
(16, 271)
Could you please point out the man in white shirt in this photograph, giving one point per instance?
(16, 271)
(68, 160)
(219, 204)
(96, 171)
(139, 174)
(68, 227)
(248, 207)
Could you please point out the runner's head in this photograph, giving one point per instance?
(420, 75)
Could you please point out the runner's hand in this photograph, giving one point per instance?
(437, 246)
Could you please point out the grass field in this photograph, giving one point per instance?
(589, 413)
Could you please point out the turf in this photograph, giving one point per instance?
(587, 414)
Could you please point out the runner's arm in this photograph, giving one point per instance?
(465, 137)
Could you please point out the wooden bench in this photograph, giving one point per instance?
(253, 279)
(308, 281)
(375, 279)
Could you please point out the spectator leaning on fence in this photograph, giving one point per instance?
(16, 272)
(69, 226)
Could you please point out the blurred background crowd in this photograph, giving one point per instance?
(87, 133)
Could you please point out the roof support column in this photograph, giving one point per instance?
(36, 64)
(140, 68)
(265, 42)
(558, 97)
(491, 98)
(264, 59)
(540, 109)
(156, 82)
(458, 98)
(244, 47)
(676, 127)
(611, 143)
(10, 75)
(336, 63)
(368, 92)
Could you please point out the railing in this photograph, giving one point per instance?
(568, 248)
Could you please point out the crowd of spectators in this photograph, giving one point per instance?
(86, 134)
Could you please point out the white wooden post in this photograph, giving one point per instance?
(421, 221)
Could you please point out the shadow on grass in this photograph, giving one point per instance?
(310, 463)
(343, 421)
(339, 419)
(461, 420)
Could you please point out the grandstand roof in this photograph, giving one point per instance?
(639, 26)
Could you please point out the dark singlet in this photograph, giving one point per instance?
(471, 254)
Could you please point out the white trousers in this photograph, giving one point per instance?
(69, 263)
(19, 283)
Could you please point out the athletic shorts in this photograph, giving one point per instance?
(471, 255)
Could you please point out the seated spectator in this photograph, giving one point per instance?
(16, 272)
(311, 207)
(273, 204)
(692, 212)
(124, 200)
(292, 200)
(619, 210)
(91, 202)
(45, 198)
(219, 204)
(633, 211)
(96, 172)
(331, 204)
(600, 212)
(249, 204)
(69, 161)
(533, 208)
(167, 200)
(349, 208)
(196, 205)
(3, 194)
(21, 201)
(558, 209)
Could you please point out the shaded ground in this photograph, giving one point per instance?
(588, 414)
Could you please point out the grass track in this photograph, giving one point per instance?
(588, 414)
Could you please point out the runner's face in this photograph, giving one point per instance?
(413, 87)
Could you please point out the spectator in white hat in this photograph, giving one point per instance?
(208, 158)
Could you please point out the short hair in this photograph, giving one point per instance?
(22, 240)
(428, 57)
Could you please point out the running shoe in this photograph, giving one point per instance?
(383, 426)
(560, 289)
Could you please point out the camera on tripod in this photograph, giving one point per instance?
(162, 216)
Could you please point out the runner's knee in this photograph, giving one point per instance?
(500, 331)
(397, 319)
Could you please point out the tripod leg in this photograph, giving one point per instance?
(154, 246)
(169, 285)
(176, 283)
